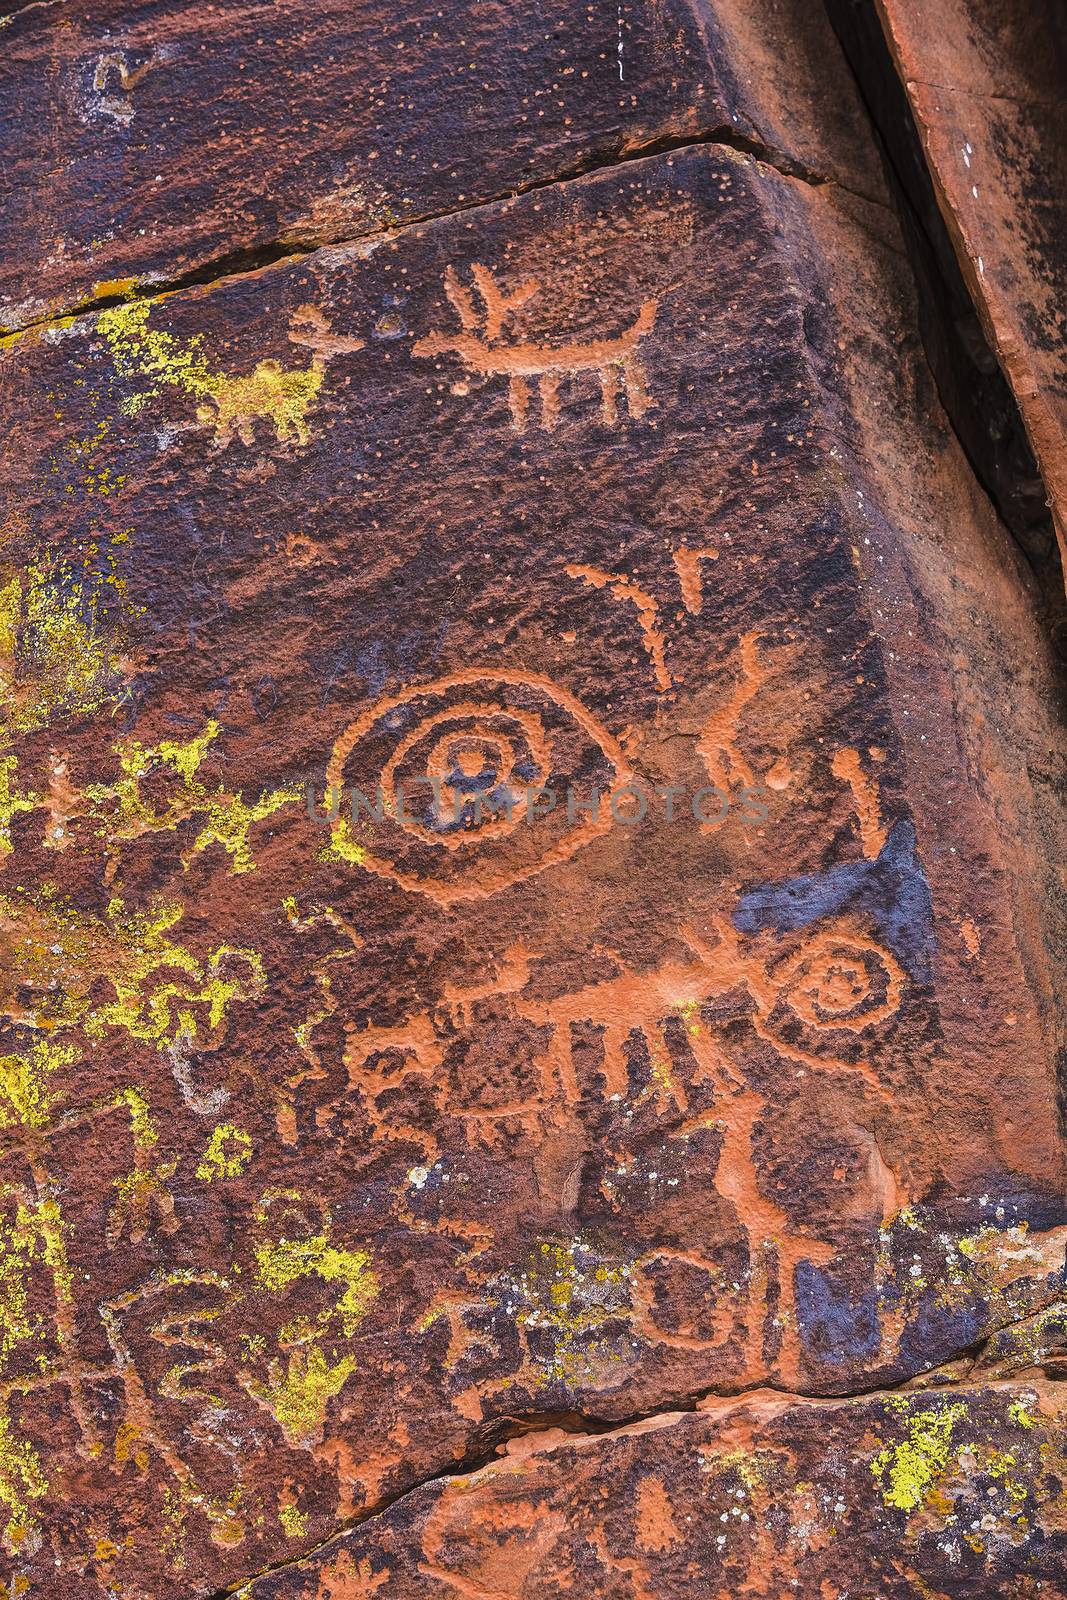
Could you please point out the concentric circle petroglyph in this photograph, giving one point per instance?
(456, 788)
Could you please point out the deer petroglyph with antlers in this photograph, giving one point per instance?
(482, 348)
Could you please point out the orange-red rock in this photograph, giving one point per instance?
(761, 1496)
(985, 83)
(338, 1151)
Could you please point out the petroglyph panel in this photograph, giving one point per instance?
(335, 1141)
(386, 119)
(764, 1496)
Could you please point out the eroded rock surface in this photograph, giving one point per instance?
(718, 1502)
(985, 82)
(149, 143)
(343, 1142)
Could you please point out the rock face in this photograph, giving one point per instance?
(985, 85)
(530, 836)
(762, 1487)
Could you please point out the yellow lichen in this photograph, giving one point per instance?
(281, 1262)
(161, 990)
(159, 1011)
(120, 805)
(279, 395)
(293, 1520)
(104, 288)
(81, 454)
(60, 654)
(174, 1513)
(908, 1470)
(662, 1077)
(144, 1133)
(1001, 1465)
(228, 1152)
(750, 1466)
(341, 846)
(186, 756)
(32, 1236)
(10, 613)
(297, 1396)
(148, 352)
(21, 1480)
(12, 802)
(140, 1195)
(569, 1294)
(229, 819)
(25, 1099)
(122, 811)
(690, 1015)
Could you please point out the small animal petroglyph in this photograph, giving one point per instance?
(310, 328)
(268, 392)
(482, 347)
(280, 395)
(232, 404)
(723, 760)
(873, 832)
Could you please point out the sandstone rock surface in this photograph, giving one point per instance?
(476, 1187)
(985, 82)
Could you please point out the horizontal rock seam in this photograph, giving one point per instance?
(253, 259)
(583, 1425)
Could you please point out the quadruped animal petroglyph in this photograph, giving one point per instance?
(483, 348)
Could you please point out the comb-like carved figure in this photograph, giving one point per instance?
(483, 348)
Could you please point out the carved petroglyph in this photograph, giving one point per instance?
(169, 1348)
(839, 979)
(319, 1011)
(873, 832)
(77, 982)
(498, 1565)
(173, 1312)
(157, 989)
(484, 349)
(836, 982)
(114, 80)
(687, 564)
(841, 982)
(624, 588)
(487, 738)
(310, 328)
(37, 1239)
(117, 63)
(723, 761)
(232, 405)
(382, 1060)
(270, 392)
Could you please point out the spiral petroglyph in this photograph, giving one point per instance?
(438, 788)
(841, 980)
